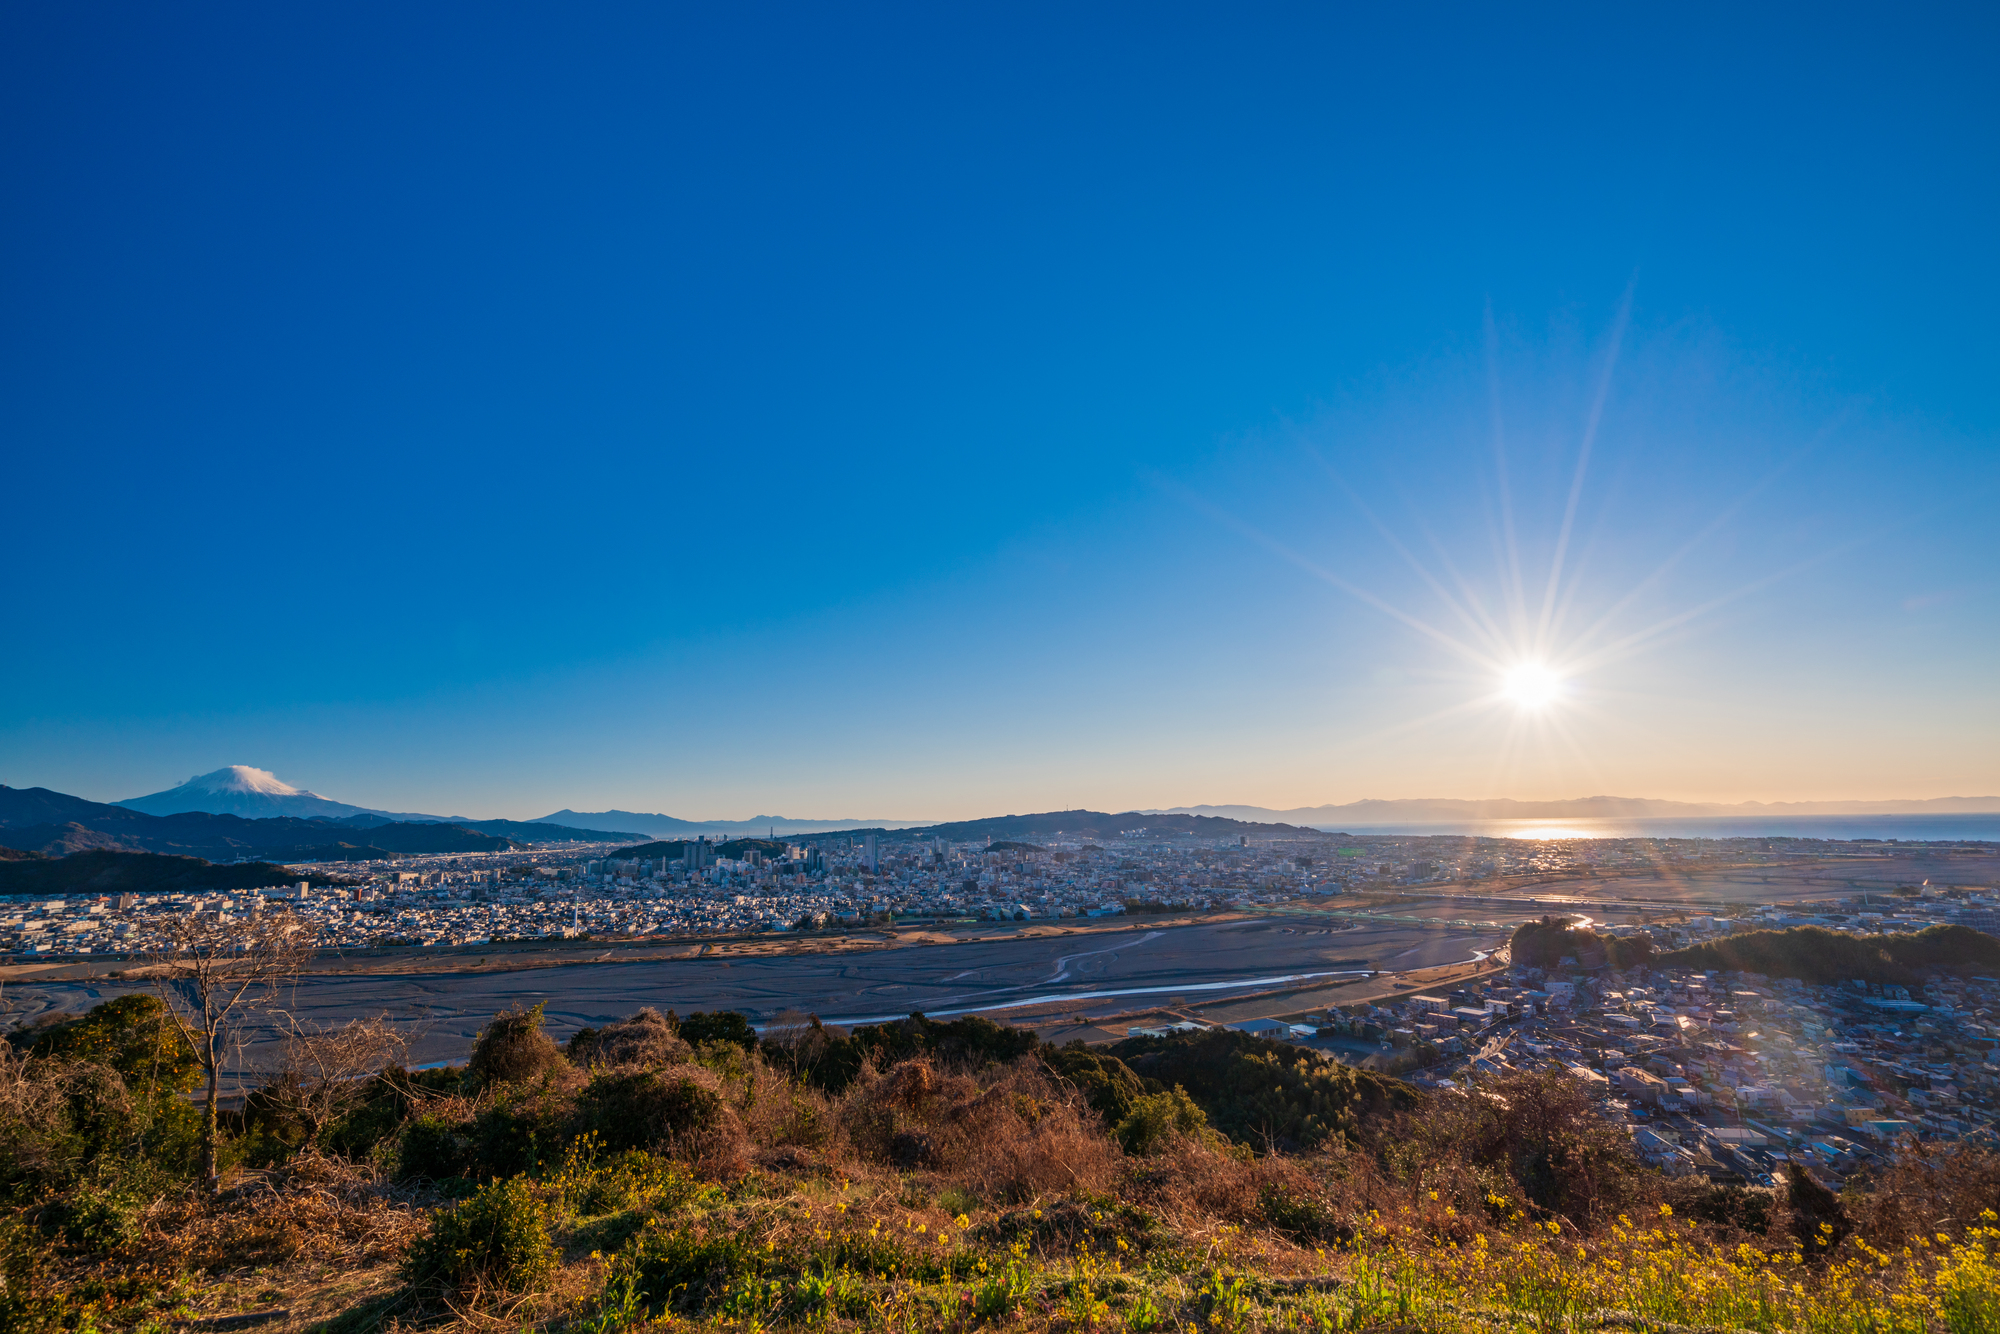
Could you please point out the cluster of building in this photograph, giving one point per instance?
(571, 890)
(700, 888)
(1727, 1074)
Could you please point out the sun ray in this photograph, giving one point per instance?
(1477, 624)
(1320, 572)
(1591, 424)
(1643, 638)
(1517, 591)
(1707, 531)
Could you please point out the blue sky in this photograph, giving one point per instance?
(909, 413)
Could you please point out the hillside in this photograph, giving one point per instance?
(536, 831)
(672, 827)
(1546, 943)
(689, 1174)
(1815, 954)
(667, 848)
(58, 824)
(670, 849)
(25, 807)
(140, 873)
(1100, 825)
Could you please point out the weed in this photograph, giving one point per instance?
(497, 1240)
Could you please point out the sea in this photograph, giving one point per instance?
(1882, 828)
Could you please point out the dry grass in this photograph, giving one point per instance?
(710, 1189)
(1010, 1133)
(316, 1209)
(646, 1038)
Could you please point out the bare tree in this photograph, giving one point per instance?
(215, 975)
(323, 1072)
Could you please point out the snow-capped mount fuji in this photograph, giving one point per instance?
(255, 794)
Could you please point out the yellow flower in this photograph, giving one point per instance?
(1666, 1211)
(963, 1222)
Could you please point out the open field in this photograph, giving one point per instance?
(1064, 977)
(1095, 973)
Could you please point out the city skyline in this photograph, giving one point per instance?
(933, 415)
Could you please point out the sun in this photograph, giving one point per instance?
(1531, 685)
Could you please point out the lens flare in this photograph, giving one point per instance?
(1531, 685)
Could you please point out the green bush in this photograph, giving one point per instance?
(102, 1213)
(721, 1026)
(645, 1109)
(687, 1270)
(522, 1135)
(1815, 954)
(833, 1062)
(65, 1117)
(1106, 1082)
(391, 1097)
(1154, 1119)
(1263, 1093)
(133, 1035)
(1307, 1217)
(434, 1148)
(31, 1297)
(496, 1241)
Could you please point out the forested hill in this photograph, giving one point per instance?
(1815, 954)
(55, 823)
(672, 848)
(533, 831)
(139, 873)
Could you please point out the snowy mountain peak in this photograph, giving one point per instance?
(254, 794)
(243, 778)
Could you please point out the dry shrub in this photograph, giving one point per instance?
(56, 1113)
(27, 1094)
(315, 1208)
(513, 1050)
(1928, 1188)
(800, 1042)
(780, 1112)
(646, 1038)
(1193, 1177)
(323, 1072)
(1311, 1199)
(1533, 1137)
(1017, 1135)
(684, 1110)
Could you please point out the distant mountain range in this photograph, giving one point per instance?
(1437, 810)
(1089, 825)
(57, 824)
(259, 797)
(668, 826)
(255, 794)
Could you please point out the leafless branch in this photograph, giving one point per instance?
(214, 974)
